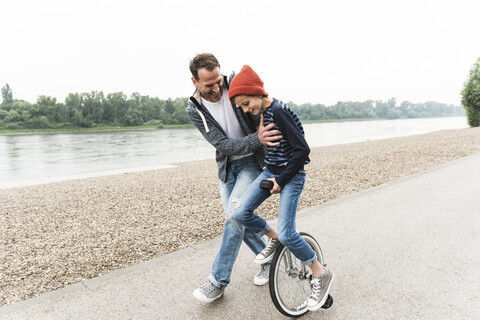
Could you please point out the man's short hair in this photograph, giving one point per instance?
(203, 60)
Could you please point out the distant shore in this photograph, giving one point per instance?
(57, 234)
(94, 129)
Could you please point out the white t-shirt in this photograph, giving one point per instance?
(222, 112)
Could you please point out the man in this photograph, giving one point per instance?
(239, 156)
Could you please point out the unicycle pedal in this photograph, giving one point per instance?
(328, 303)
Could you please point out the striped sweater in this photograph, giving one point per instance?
(291, 154)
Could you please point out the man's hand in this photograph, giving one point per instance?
(267, 137)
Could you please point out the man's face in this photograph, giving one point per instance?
(210, 84)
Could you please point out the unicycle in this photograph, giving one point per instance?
(289, 280)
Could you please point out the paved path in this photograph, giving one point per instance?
(409, 249)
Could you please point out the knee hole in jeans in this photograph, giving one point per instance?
(236, 213)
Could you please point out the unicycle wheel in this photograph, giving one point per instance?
(328, 303)
(289, 280)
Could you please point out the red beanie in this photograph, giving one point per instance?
(246, 82)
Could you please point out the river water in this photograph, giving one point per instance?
(28, 159)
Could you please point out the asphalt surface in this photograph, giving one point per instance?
(409, 249)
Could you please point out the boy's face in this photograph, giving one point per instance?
(251, 104)
(210, 84)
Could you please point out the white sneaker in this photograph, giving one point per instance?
(208, 292)
(267, 254)
(320, 287)
(261, 277)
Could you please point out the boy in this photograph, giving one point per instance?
(285, 169)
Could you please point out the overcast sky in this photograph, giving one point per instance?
(304, 51)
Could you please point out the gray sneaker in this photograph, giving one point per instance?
(320, 288)
(267, 254)
(261, 277)
(208, 292)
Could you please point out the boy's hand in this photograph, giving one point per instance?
(276, 188)
(265, 136)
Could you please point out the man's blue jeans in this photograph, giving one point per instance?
(243, 212)
(240, 174)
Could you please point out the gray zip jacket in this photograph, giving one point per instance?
(214, 134)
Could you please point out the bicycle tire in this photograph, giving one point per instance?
(289, 292)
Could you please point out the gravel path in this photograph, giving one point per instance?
(57, 234)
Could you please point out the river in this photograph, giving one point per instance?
(28, 159)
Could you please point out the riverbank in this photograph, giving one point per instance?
(58, 234)
(95, 129)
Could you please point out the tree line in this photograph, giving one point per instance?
(96, 109)
(91, 109)
(376, 109)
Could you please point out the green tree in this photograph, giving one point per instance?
(3, 114)
(179, 114)
(12, 116)
(394, 114)
(7, 95)
(471, 95)
(132, 118)
(92, 106)
(392, 102)
(115, 107)
(381, 108)
(46, 107)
